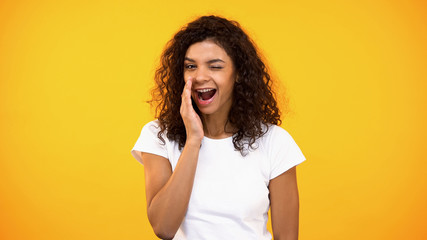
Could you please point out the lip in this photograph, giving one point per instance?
(198, 89)
(201, 102)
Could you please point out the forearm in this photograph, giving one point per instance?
(288, 229)
(167, 209)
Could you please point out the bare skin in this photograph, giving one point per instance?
(168, 192)
(284, 204)
(209, 67)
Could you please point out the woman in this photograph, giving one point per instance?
(215, 159)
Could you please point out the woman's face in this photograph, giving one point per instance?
(213, 75)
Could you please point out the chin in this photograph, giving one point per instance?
(206, 110)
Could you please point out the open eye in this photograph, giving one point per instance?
(190, 66)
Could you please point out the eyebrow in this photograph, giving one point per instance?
(210, 61)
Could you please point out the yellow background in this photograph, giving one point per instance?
(74, 77)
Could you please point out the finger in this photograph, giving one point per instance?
(186, 97)
(187, 92)
(184, 90)
(188, 87)
(190, 78)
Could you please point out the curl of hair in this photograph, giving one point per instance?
(254, 105)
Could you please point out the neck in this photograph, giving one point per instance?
(217, 128)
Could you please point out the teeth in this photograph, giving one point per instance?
(204, 90)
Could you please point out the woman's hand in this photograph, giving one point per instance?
(192, 121)
(163, 185)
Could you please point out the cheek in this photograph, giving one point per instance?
(228, 90)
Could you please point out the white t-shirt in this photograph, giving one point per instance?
(229, 199)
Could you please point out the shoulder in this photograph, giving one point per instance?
(274, 133)
(281, 149)
(150, 134)
(277, 140)
(153, 128)
(149, 141)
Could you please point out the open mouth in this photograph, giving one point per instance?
(206, 94)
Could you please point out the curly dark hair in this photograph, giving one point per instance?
(254, 105)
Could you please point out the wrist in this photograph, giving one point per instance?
(193, 143)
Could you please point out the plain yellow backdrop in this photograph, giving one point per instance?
(75, 75)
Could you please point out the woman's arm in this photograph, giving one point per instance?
(167, 192)
(284, 202)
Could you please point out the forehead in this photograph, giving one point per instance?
(206, 50)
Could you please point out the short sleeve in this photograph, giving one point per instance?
(149, 142)
(284, 153)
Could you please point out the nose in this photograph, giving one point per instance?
(201, 74)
